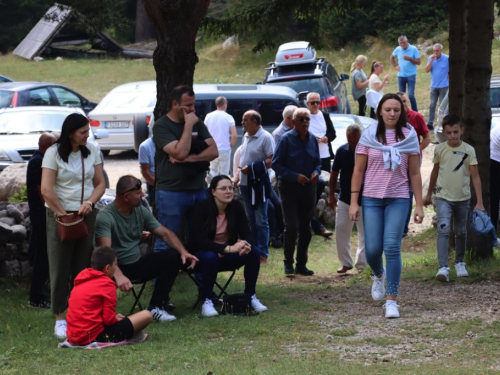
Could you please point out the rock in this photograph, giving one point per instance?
(12, 180)
(3, 213)
(24, 208)
(59, 58)
(26, 268)
(38, 58)
(10, 269)
(5, 232)
(15, 213)
(320, 208)
(10, 221)
(18, 234)
(24, 248)
(329, 217)
(327, 189)
(8, 251)
(3, 205)
(231, 42)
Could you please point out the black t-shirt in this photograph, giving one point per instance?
(344, 163)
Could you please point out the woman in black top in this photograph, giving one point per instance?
(223, 241)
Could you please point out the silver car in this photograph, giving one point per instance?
(21, 127)
(341, 122)
(125, 113)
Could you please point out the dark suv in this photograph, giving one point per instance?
(297, 67)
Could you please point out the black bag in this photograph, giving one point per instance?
(237, 304)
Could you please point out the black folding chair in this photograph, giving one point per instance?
(137, 296)
(221, 288)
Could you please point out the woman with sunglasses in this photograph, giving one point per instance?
(62, 190)
(221, 240)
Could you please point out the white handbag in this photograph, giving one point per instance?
(372, 98)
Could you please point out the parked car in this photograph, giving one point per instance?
(125, 112)
(22, 94)
(494, 105)
(340, 123)
(20, 129)
(297, 67)
(5, 79)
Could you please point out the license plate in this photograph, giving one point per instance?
(116, 124)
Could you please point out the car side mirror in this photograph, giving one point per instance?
(344, 77)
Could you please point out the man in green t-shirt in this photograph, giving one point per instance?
(184, 148)
(121, 225)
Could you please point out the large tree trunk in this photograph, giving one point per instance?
(476, 105)
(458, 50)
(144, 27)
(174, 59)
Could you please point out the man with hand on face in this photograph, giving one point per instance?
(255, 155)
(439, 66)
(297, 165)
(121, 225)
(184, 148)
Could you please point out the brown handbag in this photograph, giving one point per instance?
(72, 227)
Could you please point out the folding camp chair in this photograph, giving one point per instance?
(137, 296)
(221, 288)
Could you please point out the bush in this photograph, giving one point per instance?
(21, 196)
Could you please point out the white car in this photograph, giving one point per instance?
(341, 122)
(125, 112)
(21, 127)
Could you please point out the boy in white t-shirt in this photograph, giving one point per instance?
(455, 163)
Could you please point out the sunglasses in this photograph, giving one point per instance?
(136, 187)
(303, 119)
(314, 103)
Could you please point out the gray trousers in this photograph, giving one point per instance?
(446, 210)
(435, 95)
(66, 260)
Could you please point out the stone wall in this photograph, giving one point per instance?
(15, 229)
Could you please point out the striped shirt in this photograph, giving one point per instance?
(385, 183)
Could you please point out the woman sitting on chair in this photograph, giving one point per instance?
(222, 233)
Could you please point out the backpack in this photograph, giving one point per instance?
(237, 304)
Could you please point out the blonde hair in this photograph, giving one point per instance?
(360, 59)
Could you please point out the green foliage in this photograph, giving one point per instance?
(386, 19)
(21, 196)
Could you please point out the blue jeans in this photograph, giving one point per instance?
(210, 264)
(436, 93)
(384, 221)
(172, 206)
(275, 215)
(405, 231)
(258, 221)
(410, 81)
(446, 210)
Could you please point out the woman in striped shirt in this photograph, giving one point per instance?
(388, 158)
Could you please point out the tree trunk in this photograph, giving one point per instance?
(177, 23)
(458, 48)
(144, 27)
(476, 104)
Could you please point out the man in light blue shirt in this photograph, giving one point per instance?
(439, 66)
(408, 58)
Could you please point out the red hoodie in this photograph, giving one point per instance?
(92, 305)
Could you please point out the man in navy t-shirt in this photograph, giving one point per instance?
(344, 163)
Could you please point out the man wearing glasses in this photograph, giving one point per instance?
(121, 225)
(321, 127)
(438, 65)
(297, 164)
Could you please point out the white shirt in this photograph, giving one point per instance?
(218, 124)
(375, 79)
(68, 185)
(495, 143)
(317, 127)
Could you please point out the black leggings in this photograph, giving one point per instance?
(362, 105)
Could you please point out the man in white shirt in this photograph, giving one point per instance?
(220, 124)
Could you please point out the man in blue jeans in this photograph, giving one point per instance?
(439, 66)
(408, 58)
(257, 147)
(184, 148)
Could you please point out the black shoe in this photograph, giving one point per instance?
(304, 271)
(169, 306)
(276, 243)
(430, 127)
(323, 232)
(289, 270)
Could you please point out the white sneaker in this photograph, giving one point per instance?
(257, 306)
(461, 271)
(60, 329)
(161, 315)
(391, 310)
(378, 287)
(208, 309)
(443, 274)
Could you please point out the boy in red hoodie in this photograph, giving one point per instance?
(92, 305)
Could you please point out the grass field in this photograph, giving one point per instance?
(325, 324)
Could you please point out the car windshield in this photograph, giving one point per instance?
(133, 99)
(6, 98)
(31, 122)
(340, 122)
(310, 84)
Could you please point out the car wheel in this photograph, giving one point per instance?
(141, 131)
(105, 152)
(106, 178)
